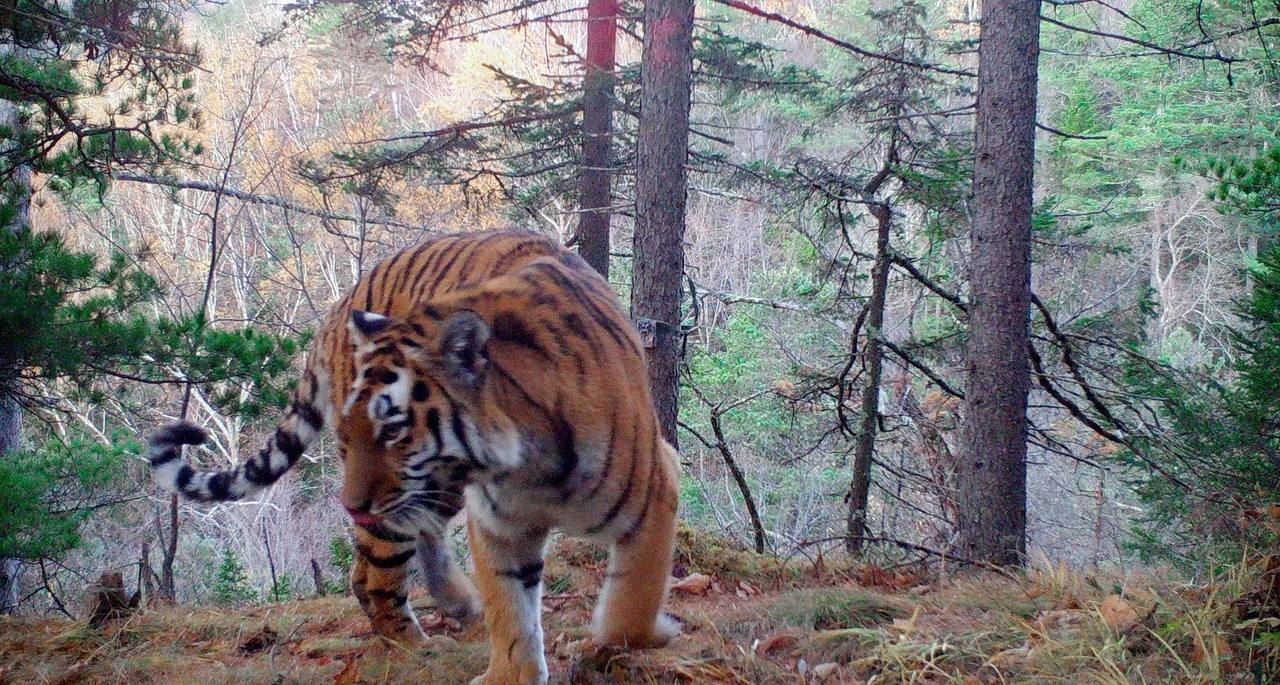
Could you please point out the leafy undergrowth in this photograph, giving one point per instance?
(746, 621)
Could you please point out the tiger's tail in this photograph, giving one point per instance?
(297, 429)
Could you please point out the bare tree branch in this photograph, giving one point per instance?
(269, 200)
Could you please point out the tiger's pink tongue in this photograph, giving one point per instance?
(362, 518)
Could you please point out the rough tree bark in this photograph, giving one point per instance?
(15, 187)
(991, 476)
(595, 194)
(662, 148)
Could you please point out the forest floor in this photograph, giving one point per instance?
(746, 621)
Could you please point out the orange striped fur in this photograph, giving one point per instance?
(499, 372)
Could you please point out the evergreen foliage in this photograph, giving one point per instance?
(65, 318)
(1251, 185)
(529, 145)
(341, 556)
(285, 587)
(71, 320)
(64, 56)
(1213, 470)
(66, 324)
(48, 491)
(231, 585)
(1190, 435)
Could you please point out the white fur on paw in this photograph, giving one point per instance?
(668, 626)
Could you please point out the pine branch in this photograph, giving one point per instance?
(822, 35)
(1160, 49)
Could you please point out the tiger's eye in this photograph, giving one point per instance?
(389, 376)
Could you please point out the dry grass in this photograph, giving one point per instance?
(761, 623)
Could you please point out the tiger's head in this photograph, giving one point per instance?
(419, 422)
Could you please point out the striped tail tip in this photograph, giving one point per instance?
(166, 442)
(182, 433)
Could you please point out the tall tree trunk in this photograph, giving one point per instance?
(662, 149)
(168, 592)
(10, 439)
(991, 478)
(595, 195)
(317, 578)
(146, 575)
(873, 356)
(15, 190)
(757, 525)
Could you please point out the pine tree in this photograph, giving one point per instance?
(661, 189)
(68, 319)
(231, 586)
(991, 478)
(1209, 469)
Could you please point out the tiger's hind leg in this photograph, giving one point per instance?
(508, 572)
(379, 580)
(629, 612)
(449, 586)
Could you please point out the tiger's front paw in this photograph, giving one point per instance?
(665, 628)
(400, 629)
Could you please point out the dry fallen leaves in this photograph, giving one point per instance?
(1221, 650)
(905, 626)
(901, 580)
(1056, 618)
(349, 674)
(1010, 659)
(825, 671)
(574, 649)
(1068, 601)
(74, 675)
(692, 584)
(1035, 591)
(1118, 613)
(780, 640)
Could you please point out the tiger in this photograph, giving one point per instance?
(495, 373)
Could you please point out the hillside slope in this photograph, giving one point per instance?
(746, 621)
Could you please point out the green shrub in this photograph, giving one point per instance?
(231, 586)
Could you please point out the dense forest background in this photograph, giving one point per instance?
(207, 179)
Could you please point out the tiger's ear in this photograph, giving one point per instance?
(364, 325)
(462, 339)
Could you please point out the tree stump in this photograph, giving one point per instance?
(109, 600)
